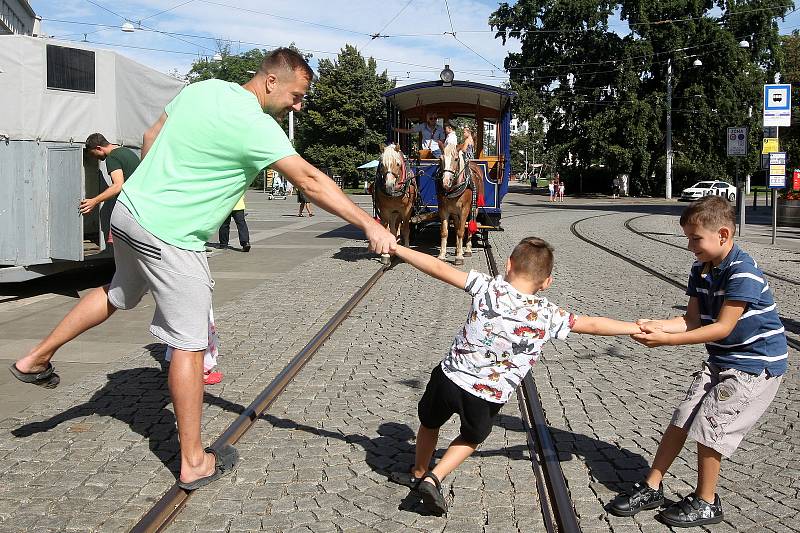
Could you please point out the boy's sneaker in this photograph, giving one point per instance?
(693, 511)
(637, 498)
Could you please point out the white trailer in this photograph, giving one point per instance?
(53, 95)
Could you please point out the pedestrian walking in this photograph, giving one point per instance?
(304, 203)
(615, 187)
(507, 325)
(198, 159)
(551, 188)
(732, 311)
(561, 191)
(238, 215)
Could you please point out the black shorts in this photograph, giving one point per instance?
(443, 399)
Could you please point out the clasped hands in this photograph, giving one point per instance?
(652, 334)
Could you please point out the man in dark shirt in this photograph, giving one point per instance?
(120, 163)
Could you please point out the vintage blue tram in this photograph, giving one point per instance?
(486, 106)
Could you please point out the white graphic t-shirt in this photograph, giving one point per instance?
(502, 338)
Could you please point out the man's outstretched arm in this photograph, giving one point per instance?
(323, 192)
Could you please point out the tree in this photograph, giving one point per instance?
(235, 68)
(604, 94)
(790, 138)
(344, 122)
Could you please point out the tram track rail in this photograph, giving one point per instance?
(167, 508)
(630, 228)
(791, 340)
(558, 511)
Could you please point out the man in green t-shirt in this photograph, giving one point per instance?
(120, 163)
(197, 161)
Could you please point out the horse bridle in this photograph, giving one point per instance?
(456, 190)
(400, 180)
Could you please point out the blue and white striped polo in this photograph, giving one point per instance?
(758, 341)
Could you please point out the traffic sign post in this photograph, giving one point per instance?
(737, 141)
(777, 180)
(778, 105)
(737, 147)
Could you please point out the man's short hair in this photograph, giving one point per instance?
(96, 140)
(287, 60)
(710, 212)
(533, 257)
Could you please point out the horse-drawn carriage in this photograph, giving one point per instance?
(477, 185)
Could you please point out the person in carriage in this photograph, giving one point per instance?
(432, 136)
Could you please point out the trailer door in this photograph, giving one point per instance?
(65, 184)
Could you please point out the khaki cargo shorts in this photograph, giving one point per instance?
(723, 404)
(179, 280)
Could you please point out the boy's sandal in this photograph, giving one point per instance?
(226, 460)
(432, 496)
(404, 478)
(47, 378)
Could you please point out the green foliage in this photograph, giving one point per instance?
(235, 68)
(603, 95)
(344, 123)
(790, 138)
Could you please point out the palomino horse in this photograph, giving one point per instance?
(395, 193)
(457, 177)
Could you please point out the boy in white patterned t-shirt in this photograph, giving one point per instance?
(507, 325)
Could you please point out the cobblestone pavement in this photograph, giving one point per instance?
(608, 400)
(96, 455)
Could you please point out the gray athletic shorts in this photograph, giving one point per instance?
(723, 404)
(179, 280)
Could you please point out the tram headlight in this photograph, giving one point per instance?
(446, 76)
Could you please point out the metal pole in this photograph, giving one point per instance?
(669, 130)
(775, 191)
(740, 200)
(774, 215)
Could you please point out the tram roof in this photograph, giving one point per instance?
(459, 92)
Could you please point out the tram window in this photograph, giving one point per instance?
(489, 138)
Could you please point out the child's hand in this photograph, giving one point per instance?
(650, 326)
(652, 339)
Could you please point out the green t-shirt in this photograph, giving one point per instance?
(124, 159)
(213, 144)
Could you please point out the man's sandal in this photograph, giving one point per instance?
(406, 479)
(226, 459)
(432, 496)
(47, 378)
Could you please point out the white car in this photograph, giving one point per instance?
(706, 188)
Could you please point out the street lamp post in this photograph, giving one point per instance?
(525, 153)
(668, 194)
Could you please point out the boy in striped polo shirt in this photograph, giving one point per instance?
(732, 311)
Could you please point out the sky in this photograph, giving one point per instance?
(420, 41)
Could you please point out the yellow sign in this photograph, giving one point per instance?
(770, 145)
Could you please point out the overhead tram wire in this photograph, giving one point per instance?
(281, 17)
(651, 23)
(380, 32)
(167, 10)
(214, 38)
(495, 67)
(146, 27)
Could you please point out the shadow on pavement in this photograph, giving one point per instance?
(138, 397)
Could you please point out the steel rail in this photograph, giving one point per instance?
(794, 343)
(628, 226)
(167, 508)
(558, 512)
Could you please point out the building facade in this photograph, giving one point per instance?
(17, 17)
